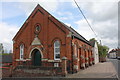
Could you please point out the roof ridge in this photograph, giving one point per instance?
(78, 33)
(66, 26)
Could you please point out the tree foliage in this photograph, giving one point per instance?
(92, 39)
(102, 50)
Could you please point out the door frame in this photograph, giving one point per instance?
(30, 55)
(34, 55)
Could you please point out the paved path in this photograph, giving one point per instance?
(99, 70)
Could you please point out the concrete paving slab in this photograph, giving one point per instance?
(99, 70)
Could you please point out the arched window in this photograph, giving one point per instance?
(21, 51)
(76, 50)
(57, 50)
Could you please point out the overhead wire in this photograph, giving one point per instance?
(85, 18)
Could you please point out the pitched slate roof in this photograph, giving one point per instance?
(92, 42)
(76, 34)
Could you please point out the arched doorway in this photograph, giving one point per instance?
(36, 58)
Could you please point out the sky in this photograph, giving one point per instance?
(101, 14)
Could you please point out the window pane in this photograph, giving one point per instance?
(57, 50)
(56, 64)
(21, 51)
(57, 56)
(57, 44)
(21, 56)
(37, 28)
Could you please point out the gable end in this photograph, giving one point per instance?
(57, 25)
(36, 12)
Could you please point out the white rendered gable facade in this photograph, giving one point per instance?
(95, 53)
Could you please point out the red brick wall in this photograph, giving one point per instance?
(81, 50)
(50, 30)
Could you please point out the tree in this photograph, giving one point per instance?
(102, 49)
(1, 48)
(92, 39)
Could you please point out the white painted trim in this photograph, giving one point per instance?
(75, 67)
(20, 60)
(50, 60)
(83, 65)
(56, 64)
(37, 49)
(17, 59)
(13, 41)
(44, 59)
(69, 34)
(54, 50)
(54, 61)
(28, 59)
(21, 51)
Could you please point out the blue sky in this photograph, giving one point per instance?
(99, 14)
(14, 15)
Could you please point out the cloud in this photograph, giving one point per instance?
(62, 15)
(68, 24)
(18, 8)
(13, 10)
(106, 31)
(28, 6)
(104, 8)
(110, 42)
(7, 32)
(84, 29)
(63, 18)
(103, 15)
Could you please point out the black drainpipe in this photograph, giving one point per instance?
(72, 53)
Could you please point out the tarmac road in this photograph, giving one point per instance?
(116, 64)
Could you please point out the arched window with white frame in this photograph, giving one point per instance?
(57, 50)
(76, 50)
(21, 51)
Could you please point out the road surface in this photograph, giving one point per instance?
(116, 64)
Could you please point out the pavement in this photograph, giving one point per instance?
(99, 70)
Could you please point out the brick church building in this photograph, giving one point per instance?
(45, 41)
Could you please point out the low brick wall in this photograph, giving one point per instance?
(44, 63)
(102, 59)
(36, 71)
(6, 73)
